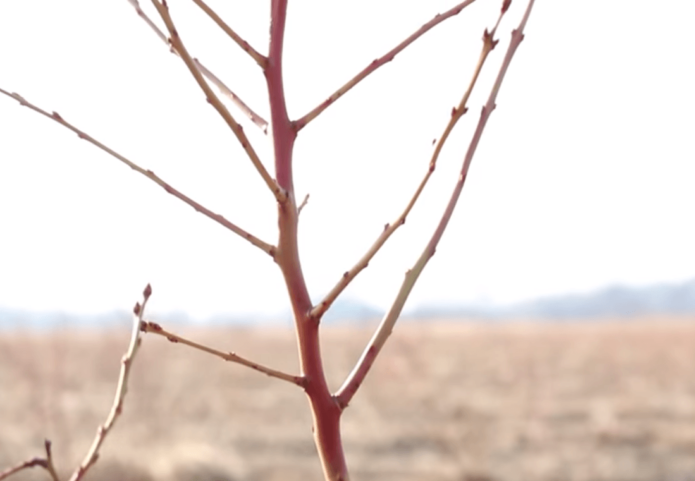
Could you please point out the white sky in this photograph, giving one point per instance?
(585, 175)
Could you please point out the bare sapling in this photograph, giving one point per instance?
(326, 406)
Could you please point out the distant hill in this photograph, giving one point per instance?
(352, 310)
(616, 301)
(16, 318)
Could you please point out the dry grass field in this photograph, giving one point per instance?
(445, 401)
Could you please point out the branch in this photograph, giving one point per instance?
(253, 116)
(155, 328)
(260, 59)
(117, 407)
(456, 114)
(364, 364)
(177, 44)
(440, 17)
(46, 463)
(303, 204)
(267, 248)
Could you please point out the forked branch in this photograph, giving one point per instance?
(155, 328)
(177, 44)
(121, 390)
(260, 59)
(46, 463)
(364, 364)
(456, 114)
(255, 118)
(264, 246)
(440, 17)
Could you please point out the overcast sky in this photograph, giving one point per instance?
(585, 176)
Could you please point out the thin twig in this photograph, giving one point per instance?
(440, 17)
(303, 204)
(260, 59)
(121, 390)
(177, 44)
(364, 364)
(253, 116)
(155, 328)
(264, 246)
(456, 114)
(46, 463)
(30, 463)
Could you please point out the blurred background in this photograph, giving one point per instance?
(574, 224)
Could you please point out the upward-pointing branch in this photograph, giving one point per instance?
(362, 367)
(456, 114)
(121, 390)
(299, 124)
(177, 44)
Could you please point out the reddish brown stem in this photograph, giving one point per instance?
(326, 408)
(325, 411)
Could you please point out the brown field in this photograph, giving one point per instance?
(445, 401)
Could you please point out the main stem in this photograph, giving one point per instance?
(324, 408)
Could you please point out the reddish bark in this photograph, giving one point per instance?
(324, 408)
